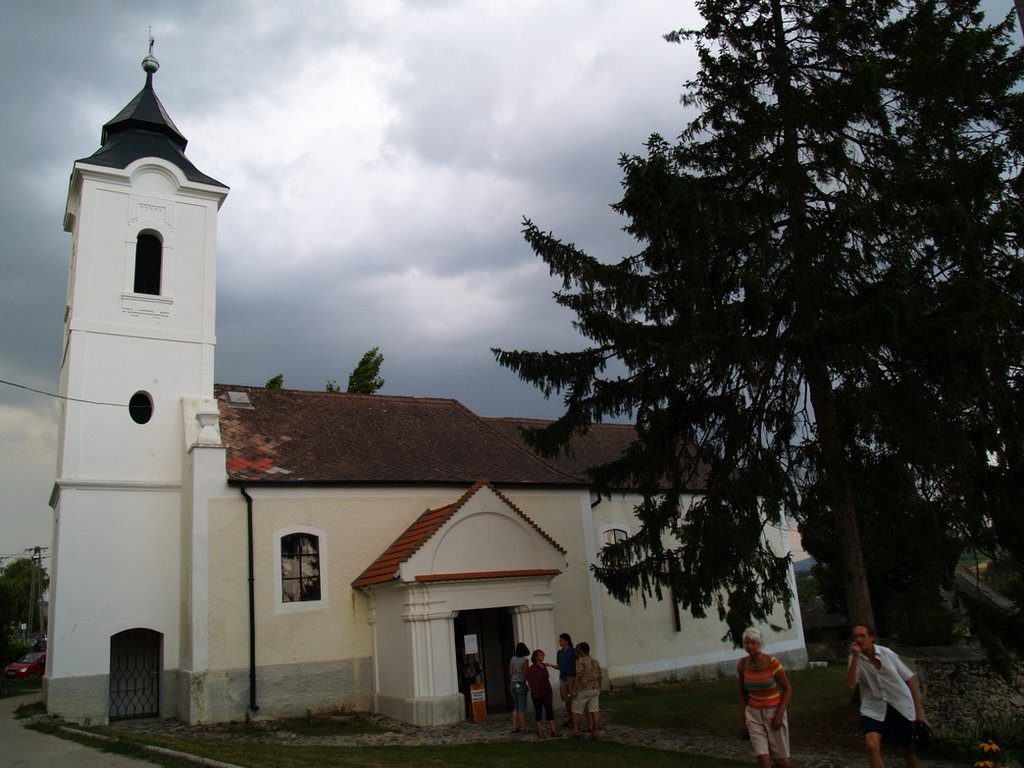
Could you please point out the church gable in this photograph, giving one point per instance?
(482, 535)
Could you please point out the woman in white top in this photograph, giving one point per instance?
(517, 685)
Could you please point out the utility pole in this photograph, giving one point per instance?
(35, 598)
(34, 585)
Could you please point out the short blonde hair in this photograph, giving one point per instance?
(753, 635)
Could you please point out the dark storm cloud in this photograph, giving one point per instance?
(380, 156)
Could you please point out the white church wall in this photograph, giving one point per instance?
(642, 643)
(561, 514)
(135, 534)
(331, 647)
(335, 626)
(328, 648)
(95, 434)
(114, 212)
(118, 535)
(199, 694)
(121, 342)
(393, 657)
(460, 549)
(340, 648)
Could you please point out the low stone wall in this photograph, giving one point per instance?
(961, 690)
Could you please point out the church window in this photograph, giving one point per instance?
(140, 407)
(148, 264)
(613, 534)
(300, 567)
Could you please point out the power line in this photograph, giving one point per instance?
(13, 556)
(5, 555)
(61, 397)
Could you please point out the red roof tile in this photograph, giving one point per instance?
(385, 567)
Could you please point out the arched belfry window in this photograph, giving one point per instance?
(148, 263)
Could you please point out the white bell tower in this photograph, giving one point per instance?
(137, 363)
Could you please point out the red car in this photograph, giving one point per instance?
(30, 665)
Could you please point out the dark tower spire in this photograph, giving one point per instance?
(144, 129)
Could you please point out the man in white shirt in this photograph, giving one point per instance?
(890, 702)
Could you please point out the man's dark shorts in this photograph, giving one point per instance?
(896, 730)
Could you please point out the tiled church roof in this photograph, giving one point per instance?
(294, 437)
(602, 444)
(297, 437)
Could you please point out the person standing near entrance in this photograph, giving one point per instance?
(540, 690)
(586, 692)
(890, 702)
(566, 658)
(517, 669)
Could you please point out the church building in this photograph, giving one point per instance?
(228, 551)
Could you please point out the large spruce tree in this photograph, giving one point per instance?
(824, 317)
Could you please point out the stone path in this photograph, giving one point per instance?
(497, 728)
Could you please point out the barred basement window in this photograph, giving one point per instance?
(300, 567)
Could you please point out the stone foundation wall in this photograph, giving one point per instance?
(282, 690)
(961, 690)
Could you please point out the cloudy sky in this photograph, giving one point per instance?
(381, 155)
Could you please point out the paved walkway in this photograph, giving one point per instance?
(35, 749)
(22, 748)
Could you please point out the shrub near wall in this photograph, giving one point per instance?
(962, 691)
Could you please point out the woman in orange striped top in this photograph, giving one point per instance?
(765, 693)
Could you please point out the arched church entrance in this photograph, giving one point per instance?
(484, 643)
(135, 674)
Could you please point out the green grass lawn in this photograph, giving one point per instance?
(821, 716)
(565, 753)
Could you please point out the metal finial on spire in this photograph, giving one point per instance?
(150, 64)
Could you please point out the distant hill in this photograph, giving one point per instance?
(803, 566)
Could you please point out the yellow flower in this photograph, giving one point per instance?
(989, 746)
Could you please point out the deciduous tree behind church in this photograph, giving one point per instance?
(365, 377)
(824, 315)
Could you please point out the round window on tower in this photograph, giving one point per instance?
(140, 407)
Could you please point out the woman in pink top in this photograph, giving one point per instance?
(764, 698)
(540, 689)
